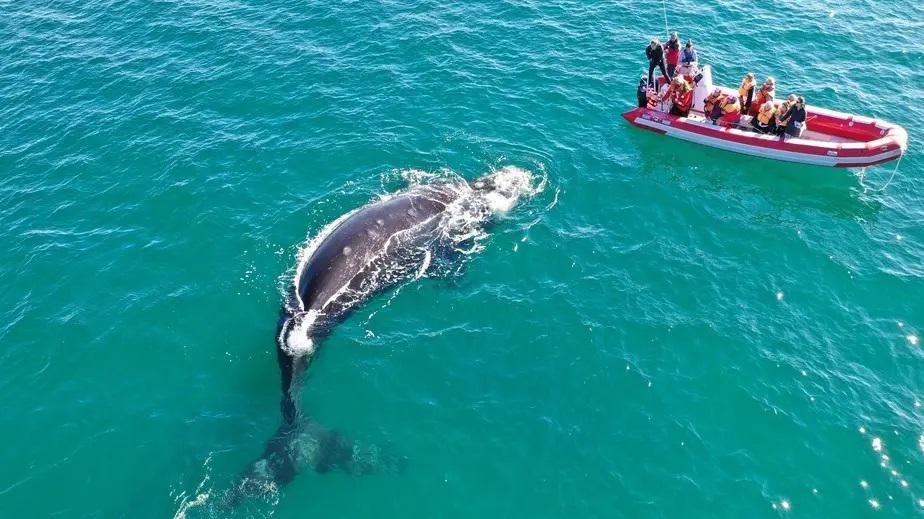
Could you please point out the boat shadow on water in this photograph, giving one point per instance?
(786, 185)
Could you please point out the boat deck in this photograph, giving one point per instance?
(745, 126)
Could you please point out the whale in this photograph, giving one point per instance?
(379, 246)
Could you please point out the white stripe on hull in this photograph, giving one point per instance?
(761, 151)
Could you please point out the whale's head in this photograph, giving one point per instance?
(502, 189)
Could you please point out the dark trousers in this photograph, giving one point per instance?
(678, 112)
(764, 128)
(651, 67)
(746, 103)
(670, 71)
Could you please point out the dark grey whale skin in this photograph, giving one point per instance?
(341, 260)
(371, 250)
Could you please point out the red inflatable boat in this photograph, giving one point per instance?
(831, 138)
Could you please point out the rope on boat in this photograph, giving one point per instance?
(862, 175)
(666, 31)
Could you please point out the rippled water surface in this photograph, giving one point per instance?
(665, 331)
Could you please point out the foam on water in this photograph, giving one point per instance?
(462, 222)
(511, 183)
(298, 342)
(214, 135)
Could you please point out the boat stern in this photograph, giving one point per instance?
(901, 138)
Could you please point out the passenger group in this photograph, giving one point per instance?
(786, 119)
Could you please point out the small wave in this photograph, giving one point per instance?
(200, 495)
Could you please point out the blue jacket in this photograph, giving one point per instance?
(687, 55)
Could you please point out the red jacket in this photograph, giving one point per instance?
(684, 101)
(672, 52)
(762, 96)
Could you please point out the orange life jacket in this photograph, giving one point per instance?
(652, 103)
(765, 116)
(709, 102)
(684, 100)
(746, 84)
(731, 107)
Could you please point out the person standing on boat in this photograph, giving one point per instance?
(746, 92)
(795, 119)
(688, 59)
(766, 93)
(672, 48)
(655, 54)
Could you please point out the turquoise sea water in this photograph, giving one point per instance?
(665, 331)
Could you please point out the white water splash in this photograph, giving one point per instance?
(200, 495)
(298, 342)
(461, 227)
(419, 177)
(424, 265)
(510, 183)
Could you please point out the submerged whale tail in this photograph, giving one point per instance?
(301, 444)
(290, 367)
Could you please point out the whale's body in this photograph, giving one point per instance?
(369, 250)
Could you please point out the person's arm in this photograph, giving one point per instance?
(667, 95)
(785, 117)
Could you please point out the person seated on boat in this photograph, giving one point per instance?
(710, 102)
(731, 111)
(680, 94)
(672, 54)
(764, 121)
(795, 119)
(688, 57)
(766, 93)
(655, 54)
(746, 91)
(779, 119)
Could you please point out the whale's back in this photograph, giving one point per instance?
(369, 234)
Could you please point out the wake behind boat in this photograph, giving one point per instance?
(830, 138)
